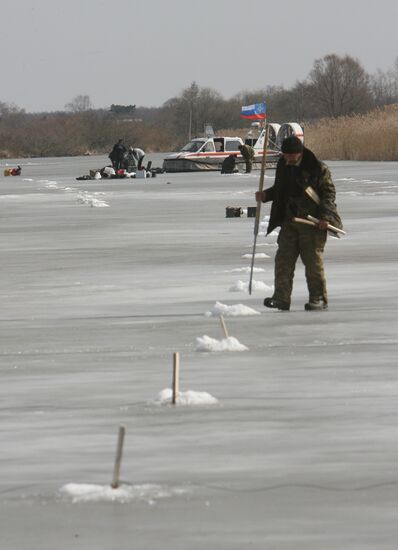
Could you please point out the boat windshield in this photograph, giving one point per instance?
(192, 146)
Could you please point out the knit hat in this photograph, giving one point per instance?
(292, 144)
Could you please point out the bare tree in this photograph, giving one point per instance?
(189, 101)
(7, 109)
(385, 86)
(340, 86)
(79, 104)
(186, 115)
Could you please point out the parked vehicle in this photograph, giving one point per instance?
(209, 153)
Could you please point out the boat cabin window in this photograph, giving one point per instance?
(209, 147)
(192, 147)
(219, 144)
(232, 145)
(272, 134)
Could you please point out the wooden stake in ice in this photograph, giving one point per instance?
(224, 326)
(176, 377)
(118, 460)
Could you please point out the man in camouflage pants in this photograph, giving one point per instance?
(298, 175)
(247, 153)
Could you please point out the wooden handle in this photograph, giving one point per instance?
(330, 226)
(311, 221)
(118, 460)
(224, 326)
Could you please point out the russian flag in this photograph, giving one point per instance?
(254, 112)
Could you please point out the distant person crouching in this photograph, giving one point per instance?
(228, 165)
(139, 155)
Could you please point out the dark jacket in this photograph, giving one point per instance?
(311, 173)
(247, 152)
(117, 152)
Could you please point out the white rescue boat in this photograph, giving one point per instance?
(209, 153)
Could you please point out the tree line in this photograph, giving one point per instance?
(336, 86)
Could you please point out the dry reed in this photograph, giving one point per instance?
(372, 136)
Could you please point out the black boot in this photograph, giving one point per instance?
(318, 305)
(276, 304)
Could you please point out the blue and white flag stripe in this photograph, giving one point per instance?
(257, 111)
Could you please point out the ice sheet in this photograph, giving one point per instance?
(300, 451)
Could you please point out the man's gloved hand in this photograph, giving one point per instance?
(260, 196)
(323, 225)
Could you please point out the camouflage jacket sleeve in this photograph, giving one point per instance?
(327, 194)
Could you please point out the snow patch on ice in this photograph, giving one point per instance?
(264, 233)
(187, 398)
(364, 180)
(376, 193)
(231, 311)
(90, 200)
(51, 185)
(243, 286)
(13, 197)
(257, 256)
(369, 193)
(245, 270)
(205, 343)
(264, 225)
(85, 492)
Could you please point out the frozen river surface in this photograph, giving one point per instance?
(102, 281)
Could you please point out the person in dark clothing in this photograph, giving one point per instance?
(303, 186)
(228, 165)
(247, 153)
(117, 155)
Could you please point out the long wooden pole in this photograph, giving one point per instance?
(258, 209)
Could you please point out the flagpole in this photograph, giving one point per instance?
(258, 209)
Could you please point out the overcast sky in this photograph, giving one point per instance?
(145, 52)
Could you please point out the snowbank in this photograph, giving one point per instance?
(243, 286)
(85, 492)
(205, 343)
(246, 269)
(90, 200)
(230, 311)
(186, 398)
(257, 256)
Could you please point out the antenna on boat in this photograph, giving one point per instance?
(190, 124)
(208, 130)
